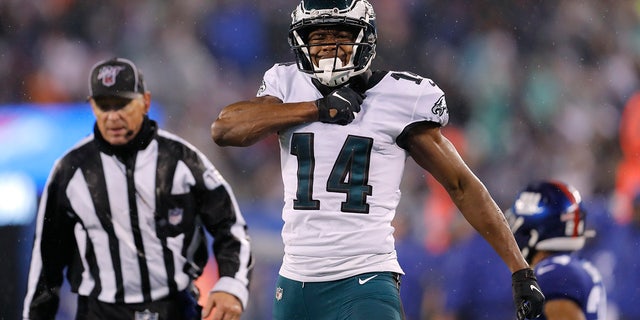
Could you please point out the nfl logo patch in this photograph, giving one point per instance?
(175, 216)
(108, 75)
(279, 292)
(146, 315)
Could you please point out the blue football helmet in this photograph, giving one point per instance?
(356, 15)
(547, 215)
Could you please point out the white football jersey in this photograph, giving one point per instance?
(342, 183)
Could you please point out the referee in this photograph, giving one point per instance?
(123, 216)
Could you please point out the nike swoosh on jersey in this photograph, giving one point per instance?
(363, 281)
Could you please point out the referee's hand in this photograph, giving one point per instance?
(222, 306)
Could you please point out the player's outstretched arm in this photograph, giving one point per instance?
(244, 123)
(436, 154)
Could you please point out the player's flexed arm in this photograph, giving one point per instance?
(243, 123)
(433, 152)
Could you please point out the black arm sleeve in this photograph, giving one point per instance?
(52, 250)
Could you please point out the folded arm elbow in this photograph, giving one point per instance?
(218, 134)
(225, 135)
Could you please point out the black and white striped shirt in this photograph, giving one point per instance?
(127, 223)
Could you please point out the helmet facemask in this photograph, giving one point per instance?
(357, 17)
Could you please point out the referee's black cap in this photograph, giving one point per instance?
(117, 77)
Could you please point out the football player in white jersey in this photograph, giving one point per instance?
(345, 133)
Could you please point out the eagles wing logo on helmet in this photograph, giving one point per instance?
(355, 14)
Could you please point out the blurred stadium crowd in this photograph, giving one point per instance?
(536, 90)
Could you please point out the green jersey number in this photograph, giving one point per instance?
(349, 175)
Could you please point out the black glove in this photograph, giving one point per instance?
(339, 106)
(527, 294)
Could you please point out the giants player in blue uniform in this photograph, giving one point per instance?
(345, 133)
(547, 220)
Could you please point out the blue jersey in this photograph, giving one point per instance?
(568, 277)
(475, 287)
(626, 272)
